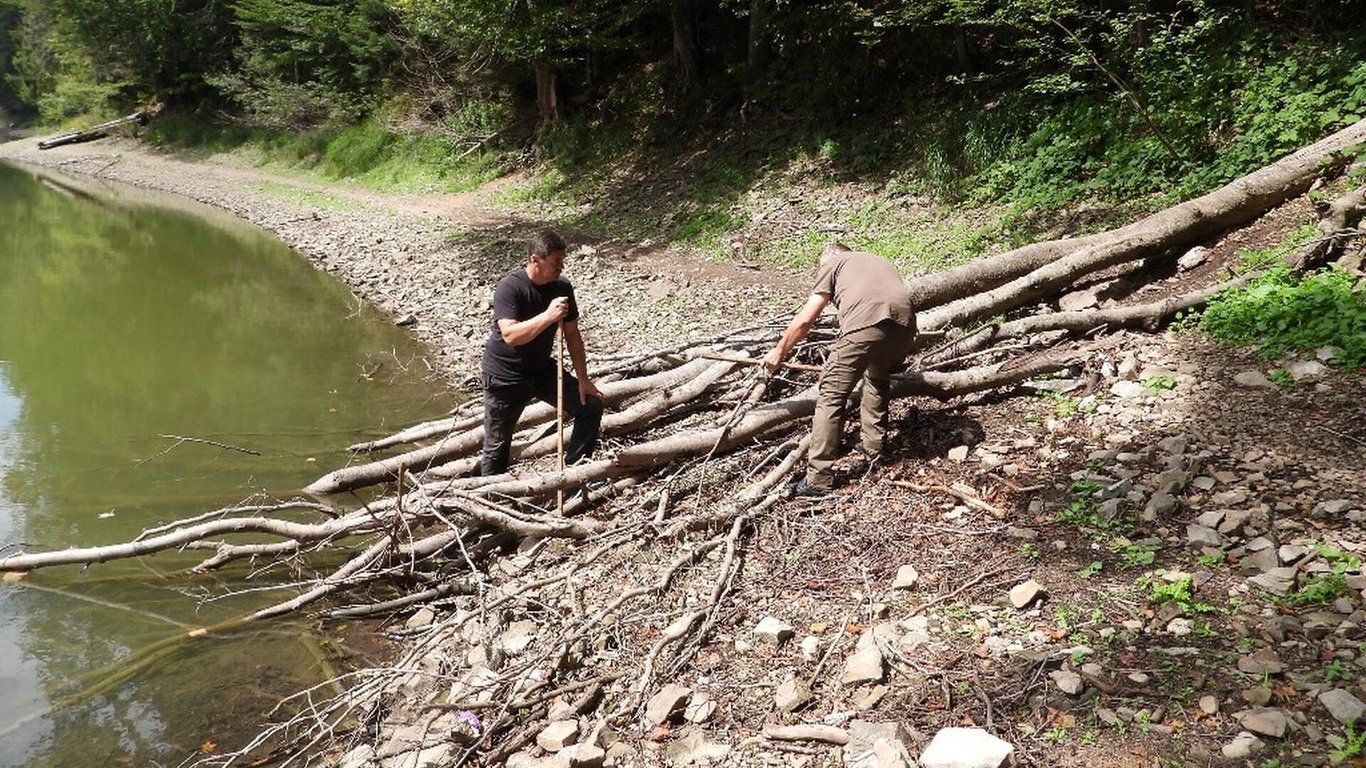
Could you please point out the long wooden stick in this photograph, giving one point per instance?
(559, 412)
(752, 361)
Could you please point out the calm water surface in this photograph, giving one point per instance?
(126, 323)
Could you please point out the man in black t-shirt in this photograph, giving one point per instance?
(519, 358)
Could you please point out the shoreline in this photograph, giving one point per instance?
(435, 273)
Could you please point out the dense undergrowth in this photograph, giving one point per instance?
(929, 183)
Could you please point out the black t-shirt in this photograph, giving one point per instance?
(517, 298)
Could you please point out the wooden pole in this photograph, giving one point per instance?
(559, 411)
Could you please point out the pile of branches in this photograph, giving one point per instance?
(510, 627)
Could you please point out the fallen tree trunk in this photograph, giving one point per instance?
(1185, 224)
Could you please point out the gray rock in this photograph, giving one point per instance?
(906, 577)
(692, 748)
(1068, 682)
(1024, 593)
(877, 745)
(1263, 662)
(1209, 704)
(700, 708)
(791, 695)
(965, 748)
(1201, 536)
(665, 704)
(866, 664)
(917, 633)
(1267, 721)
(958, 453)
(810, 647)
(518, 636)
(1243, 746)
(1253, 379)
(1129, 390)
(423, 617)
(558, 735)
(582, 756)
(1159, 505)
(1343, 706)
(1257, 697)
(773, 631)
(1077, 300)
(1301, 370)
(1278, 581)
(1192, 258)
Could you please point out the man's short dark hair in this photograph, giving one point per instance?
(546, 243)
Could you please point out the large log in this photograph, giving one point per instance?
(1234, 204)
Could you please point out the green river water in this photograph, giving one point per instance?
(126, 323)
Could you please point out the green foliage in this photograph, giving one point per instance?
(304, 62)
(1159, 383)
(1280, 313)
(1335, 672)
(1179, 591)
(1347, 746)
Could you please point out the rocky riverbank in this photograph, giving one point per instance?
(1158, 562)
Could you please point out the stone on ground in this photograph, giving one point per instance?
(965, 748)
(866, 664)
(877, 745)
(665, 704)
(1343, 706)
(1021, 595)
(773, 631)
(558, 735)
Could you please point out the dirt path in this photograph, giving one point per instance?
(430, 261)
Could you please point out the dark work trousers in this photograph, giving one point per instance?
(503, 406)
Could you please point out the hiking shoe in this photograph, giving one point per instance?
(803, 488)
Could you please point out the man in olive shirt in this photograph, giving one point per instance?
(876, 329)
(519, 363)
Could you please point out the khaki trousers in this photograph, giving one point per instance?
(866, 355)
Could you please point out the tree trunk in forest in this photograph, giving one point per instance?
(757, 60)
(685, 44)
(960, 49)
(548, 101)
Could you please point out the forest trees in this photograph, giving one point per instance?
(1042, 102)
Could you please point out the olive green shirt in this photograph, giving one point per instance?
(866, 289)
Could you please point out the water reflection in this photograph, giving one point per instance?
(125, 327)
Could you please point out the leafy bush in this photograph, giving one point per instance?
(1280, 313)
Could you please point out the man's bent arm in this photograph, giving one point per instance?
(796, 330)
(519, 332)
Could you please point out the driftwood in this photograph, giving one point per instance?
(698, 444)
(96, 132)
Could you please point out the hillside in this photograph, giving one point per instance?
(1191, 528)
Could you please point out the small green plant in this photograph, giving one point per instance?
(1159, 383)
(1325, 587)
(1335, 672)
(1055, 735)
(1091, 570)
(1211, 560)
(1281, 376)
(1089, 738)
(1178, 591)
(1136, 555)
(1029, 550)
(1348, 745)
